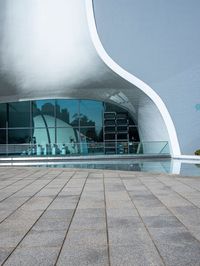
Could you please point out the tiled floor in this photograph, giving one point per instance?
(94, 217)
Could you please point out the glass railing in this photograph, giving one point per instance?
(86, 148)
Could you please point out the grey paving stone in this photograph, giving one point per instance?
(45, 256)
(121, 212)
(9, 239)
(61, 214)
(4, 253)
(162, 221)
(174, 201)
(110, 204)
(177, 246)
(43, 239)
(139, 255)
(86, 242)
(87, 237)
(127, 236)
(84, 256)
(189, 215)
(37, 203)
(44, 224)
(94, 223)
(60, 204)
(90, 212)
(87, 204)
(155, 211)
(131, 222)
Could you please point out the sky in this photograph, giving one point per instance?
(154, 39)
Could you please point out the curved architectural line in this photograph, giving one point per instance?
(175, 148)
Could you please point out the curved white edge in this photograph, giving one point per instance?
(175, 148)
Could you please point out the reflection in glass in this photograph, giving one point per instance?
(3, 115)
(43, 136)
(91, 113)
(91, 134)
(19, 136)
(2, 136)
(133, 134)
(67, 135)
(19, 114)
(67, 127)
(44, 113)
(68, 112)
(113, 108)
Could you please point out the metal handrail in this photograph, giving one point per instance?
(84, 148)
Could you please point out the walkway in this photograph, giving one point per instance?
(92, 217)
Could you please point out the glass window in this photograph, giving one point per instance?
(91, 113)
(67, 135)
(2, 136)
(43, 113)
(67, 113)
(44, 136)
(91, 134)
(19, 114)
(113, 108)
(133, 134)
(18, 136)
(3, 115)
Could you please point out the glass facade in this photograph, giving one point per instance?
(52, 127)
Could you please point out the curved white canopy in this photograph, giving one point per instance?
(51, 49)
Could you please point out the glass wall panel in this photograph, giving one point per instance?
(67, 113)
(2, 136)
(91, 113)
(113, 108)
(19, 114)
(3, 113)
(67, 135)
(18, 136)
(43, 136)
(43, 113)
(51, 127)
(133, 134)
(68, 140)
(91, 134)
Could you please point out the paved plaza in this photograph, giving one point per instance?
(52, 216)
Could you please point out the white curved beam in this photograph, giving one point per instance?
(175, 148)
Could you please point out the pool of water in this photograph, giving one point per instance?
(146, 165)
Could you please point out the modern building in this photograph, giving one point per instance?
(62, 94)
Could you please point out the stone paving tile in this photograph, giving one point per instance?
(86, 237)
(137, 254)
(162, 221)
(177, 246)
(84, 256)
(45, 256)
(136, 218)
(43, 239)
(84, 223)
(62, 214)
(51, 224)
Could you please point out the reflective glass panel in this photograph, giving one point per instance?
(19, 114)
(113, 108)
(43, 113)
(44, 136)
(3, 115)
(2, 136)
(18, 136)
(91, 134)
(67, 113)
(91, 113)
(67, 135)
(133, 134)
